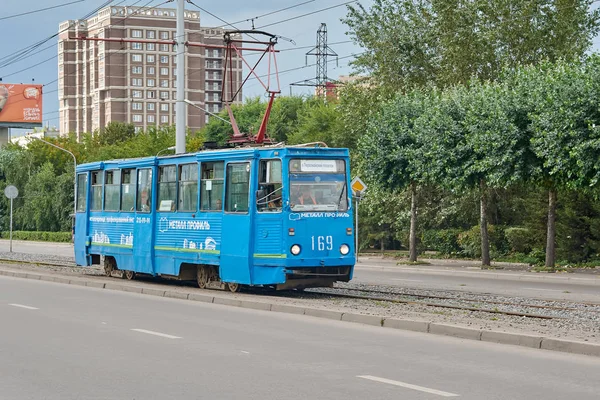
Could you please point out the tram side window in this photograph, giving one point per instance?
(268, 197)
(127, 190)
(96, 203)
(144, 190)
(188, 187)
(81, 192)
(167, 188)
(211, 183)
(112, 188)
(238, 187)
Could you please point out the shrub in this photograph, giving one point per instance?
(39, 236)
(520, 240)
(470, 241)
(445, 240)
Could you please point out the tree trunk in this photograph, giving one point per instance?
(550, 246)
(412, 246)
(382, 241)
(483, 226)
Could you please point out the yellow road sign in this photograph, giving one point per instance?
(358, 185)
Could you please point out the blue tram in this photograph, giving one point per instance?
(271, 216)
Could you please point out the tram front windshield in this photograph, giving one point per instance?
(318, 185)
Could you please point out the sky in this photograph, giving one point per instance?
(22, 31)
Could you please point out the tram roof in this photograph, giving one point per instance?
(225, 153)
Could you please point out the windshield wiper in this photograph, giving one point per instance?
(341, 194)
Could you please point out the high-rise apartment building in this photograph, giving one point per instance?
(135, 82)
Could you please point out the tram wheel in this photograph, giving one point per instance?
(202, 277)
(129, 275)
(234, 287)
(109, 267)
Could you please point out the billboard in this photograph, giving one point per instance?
(20, 105)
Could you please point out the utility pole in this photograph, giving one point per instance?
(321, 51)
(180, 109)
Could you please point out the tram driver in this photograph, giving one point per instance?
(306, 196)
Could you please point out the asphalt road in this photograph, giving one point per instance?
(573, 287)
(66, 342)
(453, 276)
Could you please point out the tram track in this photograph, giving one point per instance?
(475, 300)
(457, 300)
(440, 305)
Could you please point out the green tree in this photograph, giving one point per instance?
(284, 117)
(115, 132)
(42, 209)
(318, 121)
(389, 149)
(416, 43)
(563, 99)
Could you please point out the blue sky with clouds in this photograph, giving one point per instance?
(19, 32)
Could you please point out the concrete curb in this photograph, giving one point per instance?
(536, 342)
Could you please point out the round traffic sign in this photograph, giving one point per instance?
(11, 192)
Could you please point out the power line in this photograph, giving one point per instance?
(51, 58)
(41, 9)
(310, 65)
(274, 12)
(19, 54)
(28, 68)
(211, 14)
(307, 14)
(87, 16)
(26, 56)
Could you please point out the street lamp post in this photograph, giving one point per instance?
(168, 148)
(74, 170)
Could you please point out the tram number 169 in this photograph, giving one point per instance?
(322, 242)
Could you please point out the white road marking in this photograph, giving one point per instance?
(156, 334)
(22, 306)
(245, 352)
(408, 386)
(545, 290)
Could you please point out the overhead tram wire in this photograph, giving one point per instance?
(308, 47)
(41, 9)
(309, 65)
(274, 12)
(270, 13)
(307, 14)
(211, 14)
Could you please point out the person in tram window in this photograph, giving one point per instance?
(218, 205)
(306, 196)
(145, 201)
(275, 203)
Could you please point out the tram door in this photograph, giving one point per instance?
(143, 246)
(81, 221)
(237, 227)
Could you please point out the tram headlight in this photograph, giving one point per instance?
(295, 249)
(344, 249)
